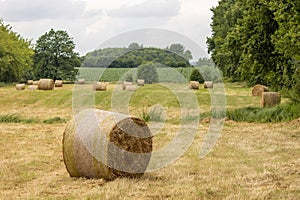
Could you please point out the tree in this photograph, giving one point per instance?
(179, 49)
(15, 55)
(256, 41)
(196, 76)
(148, 73)
(55, 56)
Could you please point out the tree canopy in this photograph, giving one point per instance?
(15, 55)
(135, 55)
(257, 41)
(55, 56)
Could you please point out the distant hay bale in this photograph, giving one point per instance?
(194, 85)
(59, 83)
(100, 86)
(101, 144)
(33, 87)
(131, 88)
(259, 89)
(20, 87)
(46, 84)
(270, 99)
(208, 84)
(30, 82)
(126, 84)
(35, 82)
(81, 81)
(140, 82)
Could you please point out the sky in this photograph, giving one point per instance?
(95, 24)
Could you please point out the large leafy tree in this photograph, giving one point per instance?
(55, 56)
(15, 55)
(257, 41)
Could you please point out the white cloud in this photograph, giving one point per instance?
(24, 10)
(92, 22)
(154, 8)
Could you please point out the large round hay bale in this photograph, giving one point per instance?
(30, 82)
(208, 84)
(81, 81)
(35, 82)
(20, 87)
(131, 88)
(194, 85)
(257, 90)
(33, 87)
(59, 83)
(101, 144)
(140, 82)
(46, 84)
(125, 83)
(100, 86)
(270, 99)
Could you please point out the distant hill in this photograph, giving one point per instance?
(133, 56)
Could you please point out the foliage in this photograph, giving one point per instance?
(129, 77)
(55, 120)
(295, 92)
(55, 57)
(210, 73)
(205, 62)
(280, 113)
(134, 56)
(196, 76)
(179, 49)
(14, 118)
(256, 41)
(15, 55)
(148, 73)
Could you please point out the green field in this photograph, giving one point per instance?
(116, 74)
(250, 160)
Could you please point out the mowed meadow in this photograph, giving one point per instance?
(250, 160)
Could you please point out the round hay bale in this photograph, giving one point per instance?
(126, 84)
(100, 86)
(270, 99)
(257, 90)
(30, 82)
(101, 144)
(131, 88)
(194, 85)
(46, 84)
(59, 83)
(20, 87)
(208, 84)
(33, 87)
(81, 81)
(140, 82)
(35, 82)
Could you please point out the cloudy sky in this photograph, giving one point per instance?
(93, 22)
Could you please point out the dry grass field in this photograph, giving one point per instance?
(250, 160)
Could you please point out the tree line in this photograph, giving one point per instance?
(135, 55)
(258, 41)
(53, 56)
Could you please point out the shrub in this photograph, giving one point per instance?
(295, 93)
(148, 72)
(196, 76)
(129, 78)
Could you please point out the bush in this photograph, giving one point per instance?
(210, 73)
(129, 78)
(295, 93)
(148, 72)
(196, 76)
